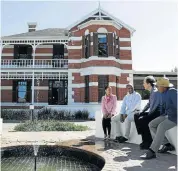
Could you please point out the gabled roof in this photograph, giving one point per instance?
(41, 33)
(101, 15)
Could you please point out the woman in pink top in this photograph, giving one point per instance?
(108, 104)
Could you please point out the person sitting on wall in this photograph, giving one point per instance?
(166, 121)
(131, 104)
(144, 118)
(108, 105)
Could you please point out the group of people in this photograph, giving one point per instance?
(158, 116)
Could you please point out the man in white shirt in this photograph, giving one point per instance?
(131, 105)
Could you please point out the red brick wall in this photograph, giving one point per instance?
(122, 92)
(77, 78)
(125, 54)
(100, 63)
(42, 96)
(6, 95)
(125, 44)
(6, 82)
(8, 50)
(123, 79)
(93, 78)
(79, 94)
(93, 94)
(44, 50)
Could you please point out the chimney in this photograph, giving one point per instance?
(32, 26)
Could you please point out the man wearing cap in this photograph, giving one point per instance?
(166, 121)
(130, 105)
(142, 120)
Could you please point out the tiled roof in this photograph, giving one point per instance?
(41, 33)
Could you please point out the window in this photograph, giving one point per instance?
(21, 91)
(118, 48)
(22, 52)
(102, 45)
(103, 81)
(87, 89)
(87, 46)
(58, 51)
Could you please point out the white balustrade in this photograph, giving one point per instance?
(39, 63)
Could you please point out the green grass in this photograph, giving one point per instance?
(50, 125)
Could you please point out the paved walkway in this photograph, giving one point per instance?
(118, 157)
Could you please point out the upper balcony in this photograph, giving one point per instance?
(38, 63)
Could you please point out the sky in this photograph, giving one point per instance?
(154, 44)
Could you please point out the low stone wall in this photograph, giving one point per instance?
(134, 137)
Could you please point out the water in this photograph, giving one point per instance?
(49, 158)
(51, 163)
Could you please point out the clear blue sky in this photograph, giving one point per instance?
(154, 44)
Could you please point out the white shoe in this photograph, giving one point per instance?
(105, 137)
(109, 137)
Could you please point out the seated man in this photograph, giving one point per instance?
(163, 123)
(131, 104)
(142, 120)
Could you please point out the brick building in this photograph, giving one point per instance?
(67, 66)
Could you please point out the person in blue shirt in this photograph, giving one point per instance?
(166, 121)
(144, 118)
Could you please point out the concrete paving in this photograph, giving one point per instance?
(118, 157)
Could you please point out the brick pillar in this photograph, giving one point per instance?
(112, 83)
(93, 90)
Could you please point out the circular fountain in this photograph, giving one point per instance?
(49, 158)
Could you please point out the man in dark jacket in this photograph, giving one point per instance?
(142, 120)
(166, 121)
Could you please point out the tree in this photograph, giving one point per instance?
(175, 69)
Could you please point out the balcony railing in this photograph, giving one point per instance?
(39, 63)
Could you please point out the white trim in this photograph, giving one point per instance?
(7, 54)
(41, 88)
(113, 84)
(36, 54)
(99, 22)
(33, 38)
(118, 22)
(78, 85)
(124, 39)
(75, 38)
(8, 46)
(74, 47)
(93, 84)
(121, 85)
(6, 87)
(44, 46)
(100, 71)
(112, 58)
(81, 85)
(22, 104)
(35, 70)
(125, 48)
(102, 30)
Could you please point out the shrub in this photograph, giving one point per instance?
(44, 114)
(78, 114)
(85, 114)
(12, 114)
(49, 125)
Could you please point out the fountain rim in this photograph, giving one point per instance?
(69, 148)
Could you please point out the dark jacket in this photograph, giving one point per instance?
(154, 103)
(169, 104)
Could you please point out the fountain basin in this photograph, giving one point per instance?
(50, 158)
